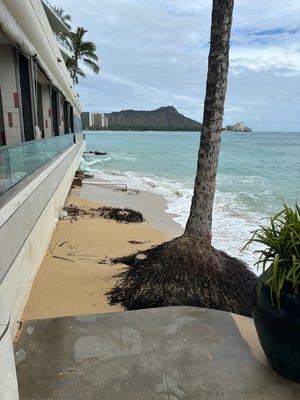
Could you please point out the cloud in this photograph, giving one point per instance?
(154, 53)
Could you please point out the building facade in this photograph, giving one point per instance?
(41, 146)
(94, 120)
(37, 97)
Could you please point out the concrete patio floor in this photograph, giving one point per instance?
(164, 353)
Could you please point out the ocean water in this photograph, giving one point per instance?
(257, 172)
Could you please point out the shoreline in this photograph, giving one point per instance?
(153, 206)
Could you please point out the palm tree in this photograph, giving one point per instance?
(188, 270)
(82, 50)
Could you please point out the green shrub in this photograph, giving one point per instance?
(280, 258)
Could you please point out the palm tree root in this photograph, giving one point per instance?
(184, 271)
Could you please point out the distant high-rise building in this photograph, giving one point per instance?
(96, 119)
(86, 120)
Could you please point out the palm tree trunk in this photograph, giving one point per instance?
(200, 218)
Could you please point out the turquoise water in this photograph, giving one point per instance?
(257, 172)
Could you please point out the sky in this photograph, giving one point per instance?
(154, 53)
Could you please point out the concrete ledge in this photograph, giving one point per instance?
(8, 376)
(163, 353)
(26, 226)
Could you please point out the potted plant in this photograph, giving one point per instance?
(277, 294)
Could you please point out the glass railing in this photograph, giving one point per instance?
(19, 161)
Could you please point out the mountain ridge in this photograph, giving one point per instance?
(165, 118)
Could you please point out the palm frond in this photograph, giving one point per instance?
(89, 54)
(80, 72)
(82, 50)
(93, 66)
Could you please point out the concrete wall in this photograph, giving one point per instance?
(9, 94)
(31, 17)
(27, 222)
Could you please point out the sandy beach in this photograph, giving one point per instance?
(75, 272)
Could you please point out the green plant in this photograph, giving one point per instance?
(82, 51)
(280, 259)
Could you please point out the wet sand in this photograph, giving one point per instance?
(152, 206)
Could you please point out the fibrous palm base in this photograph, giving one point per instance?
(184, 271)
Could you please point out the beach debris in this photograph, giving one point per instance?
(139, 241)
(120, 214)
(88, 176)
(90, 152)
(83, 175)
(20, 323)
(77, 181)
(79, 174)
(70, 209)
(66, 241)
(96, 152)
(63, 258)
(125, 188)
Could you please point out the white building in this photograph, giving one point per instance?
(94, 119)
(41, 146)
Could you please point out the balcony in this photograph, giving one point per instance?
(55, 21)
(58, 27)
